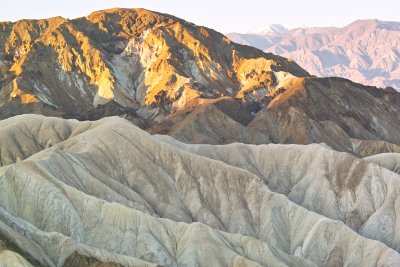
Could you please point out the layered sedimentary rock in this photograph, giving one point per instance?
(108, 192)
(141, 61)
(169, 76)
(344, 115)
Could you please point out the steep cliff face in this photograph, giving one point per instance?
(107, 193)
(145, 61)
(172, 77)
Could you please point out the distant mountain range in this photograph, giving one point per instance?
(243, 166)
(366, 51)
(172, 77)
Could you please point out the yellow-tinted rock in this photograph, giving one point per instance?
(134, 57)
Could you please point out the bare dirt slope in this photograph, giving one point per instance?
(169, 76)
(108, 192)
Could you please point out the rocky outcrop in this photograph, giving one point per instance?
(111, 194)
(144, 61)
(169, 76)
(104, 192)
(344, 115)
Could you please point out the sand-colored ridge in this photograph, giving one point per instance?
(128, 198)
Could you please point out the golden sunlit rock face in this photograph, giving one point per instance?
(137, 58)
(172, 77)
(237, 161)
(22, 96)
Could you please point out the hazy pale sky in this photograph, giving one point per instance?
(224, 16)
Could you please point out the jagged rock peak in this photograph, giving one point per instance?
(134, 57)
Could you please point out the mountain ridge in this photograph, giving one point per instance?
(173, 77)
(157, 142)
(162, 202)
(96, 53)
(365, 51)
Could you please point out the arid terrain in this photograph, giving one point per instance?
(134, 138)
(365, 51)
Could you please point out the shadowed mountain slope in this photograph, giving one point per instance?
(143, 61)
(172, 77)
